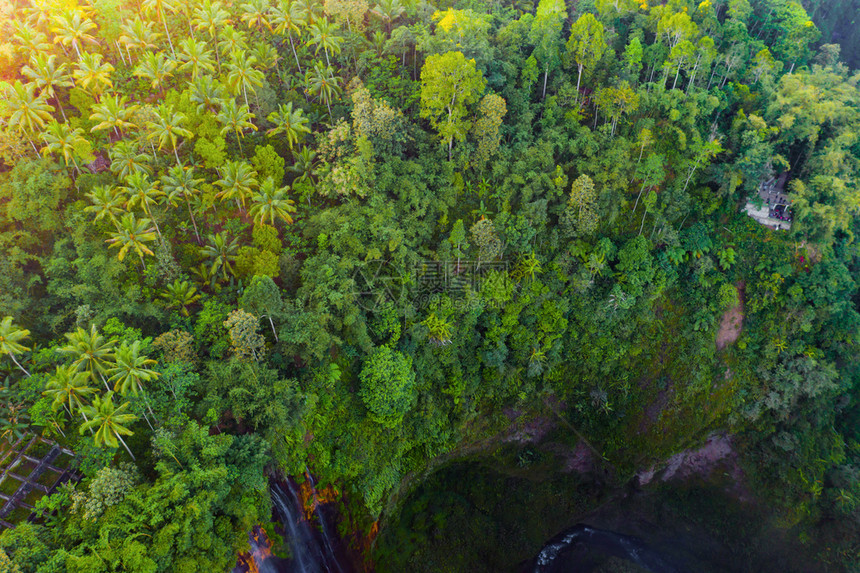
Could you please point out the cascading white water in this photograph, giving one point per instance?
(312, 550)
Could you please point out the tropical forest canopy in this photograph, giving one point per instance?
(350, 238)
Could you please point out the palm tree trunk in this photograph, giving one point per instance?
(167, 30)
(60, 105)
(193, 221)
(104, 382)
(154, 222)
(295, 55)
(126, 447)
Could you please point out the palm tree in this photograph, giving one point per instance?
(287, 17)
(208, 94)
(221, 252)
(181, 181)
(138, 35)
(323, 36)
(30, 40)
(305, 164)
(235, 118)
(112, 113)
(73, 29)
(107, 202)
(29, 112)
(314, 11)
(110, 421)
(210, 16)
(292, 123)
(48, 76)
(388, 11)
(242, 75)
(168, 127)
(196, 56)
(62, 139)
(323, 83)
(125, 159)
(69, 388)
(92, 74)
(180, 294)
(10, 341)
(91, 351)
(267, 56)
(237, 183)
(272, 203)
(232, 40)
(143, 192)
(155, 67)
(255, 14)
(132, 370)
(159, 6)
(133, 234)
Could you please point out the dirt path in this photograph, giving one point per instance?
(732, 322)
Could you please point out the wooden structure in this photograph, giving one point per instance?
(32, 464)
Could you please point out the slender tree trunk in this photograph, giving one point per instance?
(677, 73)
(295, 55)
(119, 51)
(578, 79)
(642, 226)
(638, 196)
(193, 221)
(273, 327)
(21, 368)
(545, 76)
(146, 401)
(690, 176)
(154, 222)
(126, 447)
(167, 31)
(104, 381)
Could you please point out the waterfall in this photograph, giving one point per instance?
(313, 550)
(327, 539)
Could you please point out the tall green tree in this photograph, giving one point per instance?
(585, 45)
(545, 33)
(449, 84)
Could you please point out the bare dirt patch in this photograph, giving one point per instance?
(732, 322)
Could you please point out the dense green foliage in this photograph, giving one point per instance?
(352, 237)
